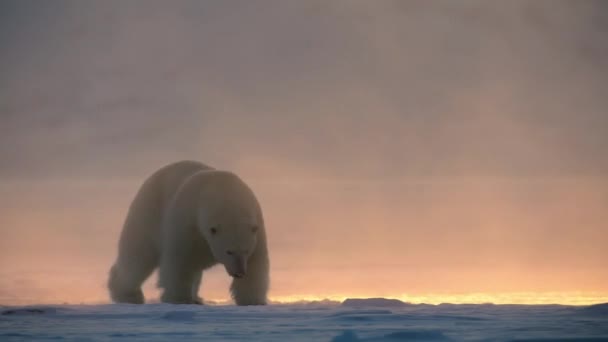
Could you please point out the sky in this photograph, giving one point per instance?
(424, 150)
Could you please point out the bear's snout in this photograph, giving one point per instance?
(237, 266)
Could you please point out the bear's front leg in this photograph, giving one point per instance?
(178, 269)
(253, 288)
(248, 291)
(176, 282)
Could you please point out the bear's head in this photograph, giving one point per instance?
(232, 243)
(230, 223)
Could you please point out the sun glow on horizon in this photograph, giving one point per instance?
(508, 298)
(530, 298)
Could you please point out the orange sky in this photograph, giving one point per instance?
(418, 240)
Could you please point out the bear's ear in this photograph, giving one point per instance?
(213, 230)
(254, 229)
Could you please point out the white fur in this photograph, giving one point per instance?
(169, 226)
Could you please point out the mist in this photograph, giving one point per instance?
(397, 147)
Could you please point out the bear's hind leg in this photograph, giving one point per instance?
(125, 283)
(195, 287)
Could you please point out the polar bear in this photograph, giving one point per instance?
(186, 218)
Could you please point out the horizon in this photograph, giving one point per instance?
(87, 275)
(519, 298)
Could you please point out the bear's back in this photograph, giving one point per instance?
(172, 176)
(145, 215)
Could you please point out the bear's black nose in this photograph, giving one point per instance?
(238, 275)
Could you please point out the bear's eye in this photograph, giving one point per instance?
(230, 252)
(213, 230)
(254, 229)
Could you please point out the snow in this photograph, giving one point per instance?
(369, 320)
(373, 302)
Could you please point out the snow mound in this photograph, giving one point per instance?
(597, 309)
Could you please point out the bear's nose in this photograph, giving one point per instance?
(238, 275)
